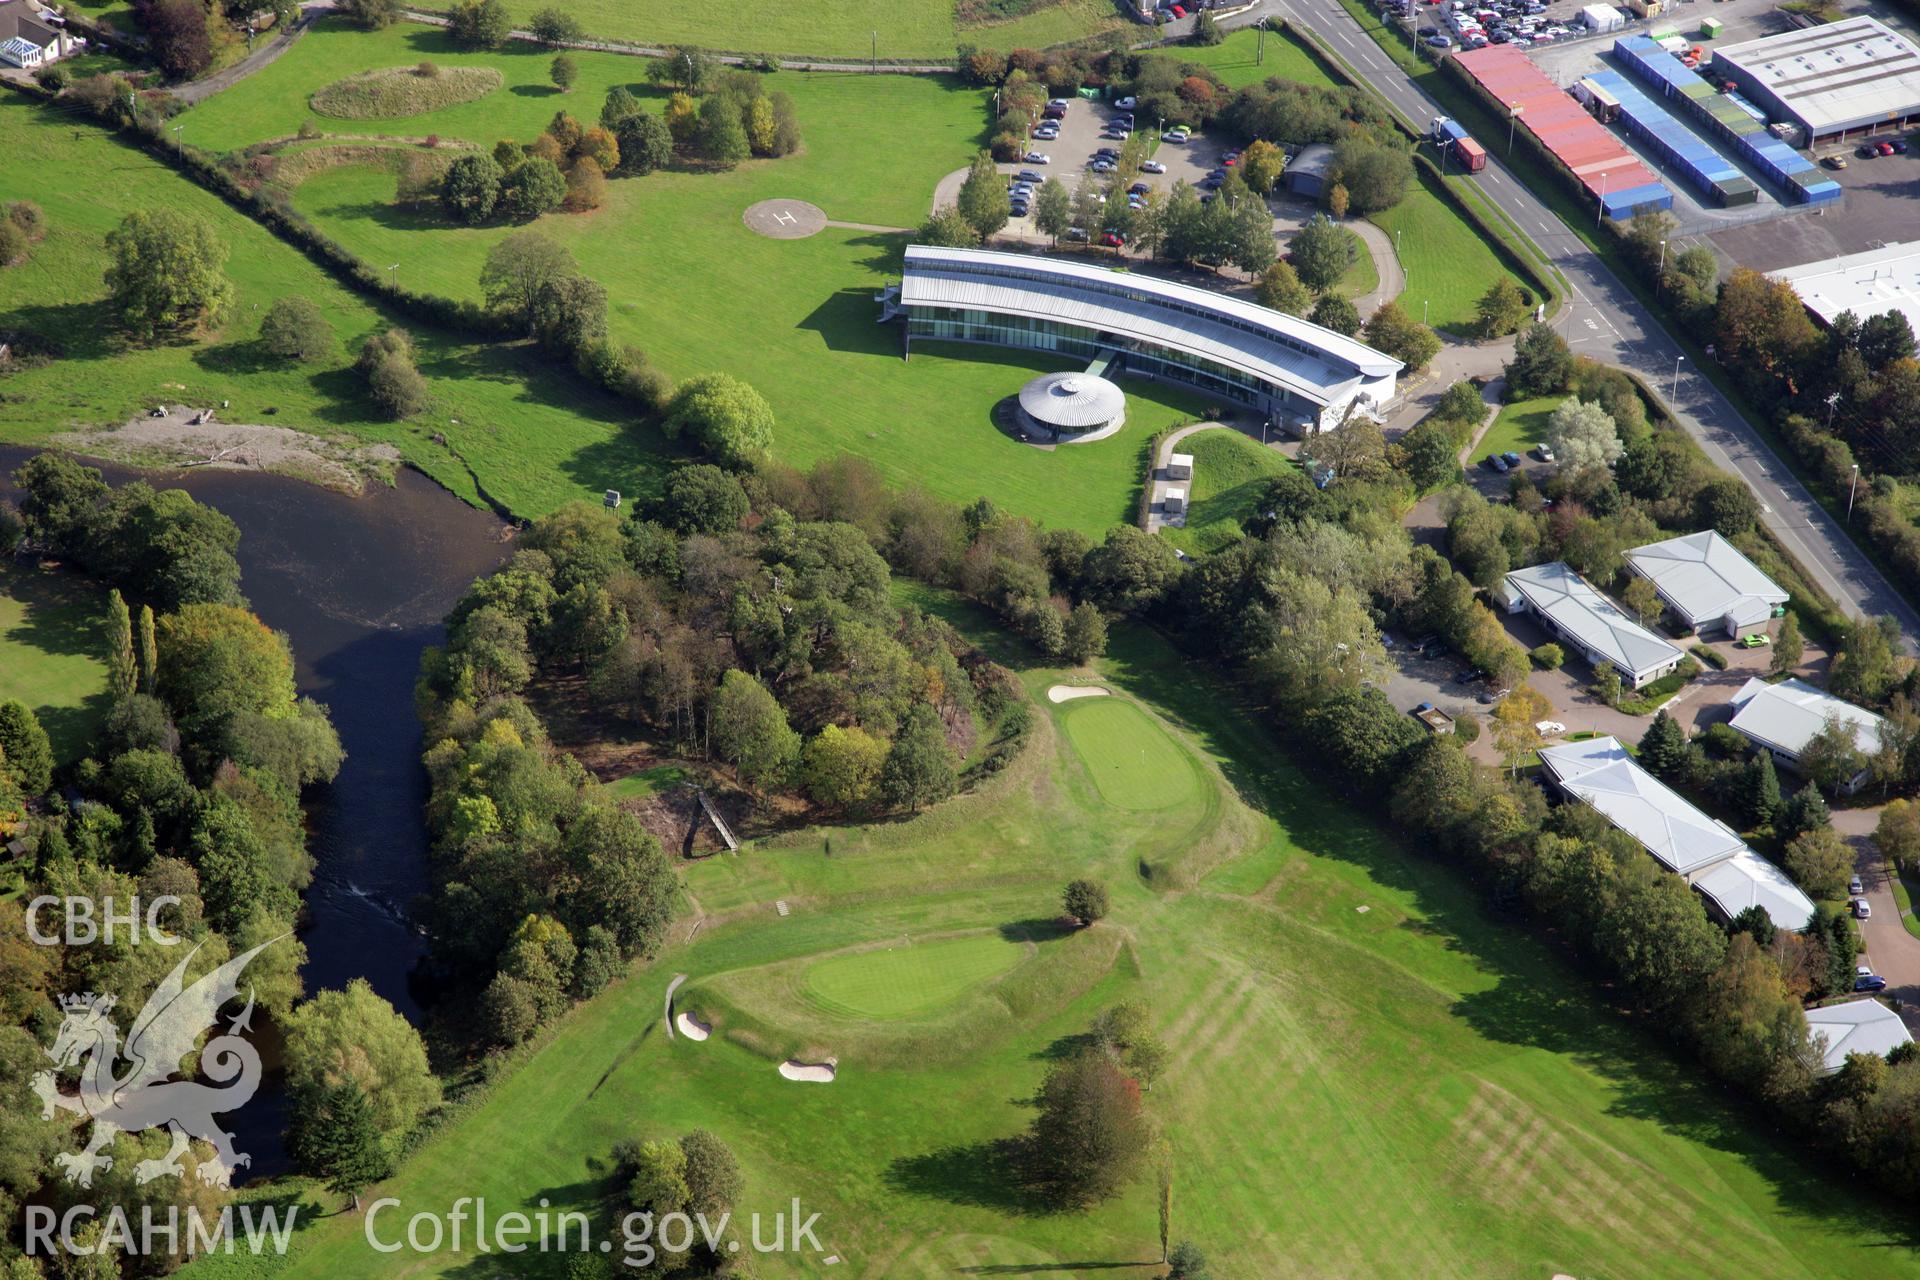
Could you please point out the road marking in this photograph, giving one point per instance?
(785, 218)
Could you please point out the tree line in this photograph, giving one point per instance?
(190, 789)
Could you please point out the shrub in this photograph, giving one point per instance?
(554, 27)
(1548, 657)
(1085, 900)
(54, 78)
(13, 244)
(1711, 656)
(295, 329)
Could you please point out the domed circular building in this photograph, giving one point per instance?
(1072, 404)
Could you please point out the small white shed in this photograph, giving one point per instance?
(1174, 501)
(1180, 466)
(1602, 17)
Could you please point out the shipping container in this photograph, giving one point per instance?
(1714, 176)
(1471, 155)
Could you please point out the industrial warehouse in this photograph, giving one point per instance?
(1867, 284)
(1832, 81)
(1299, 375)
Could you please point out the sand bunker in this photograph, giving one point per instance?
(816, 1072)
(692, 1028)
(1068, 692)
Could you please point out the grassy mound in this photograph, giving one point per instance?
(404, 91)
(1230, 475)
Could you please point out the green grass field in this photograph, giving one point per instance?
(635, 786)
(1449, 266)
(908, 978)
(51, 628)
(1416, 1089)
(534, 438)
(1229, 474)
(1520, 426)
(905, 29)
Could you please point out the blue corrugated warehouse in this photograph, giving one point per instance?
(1709, 172)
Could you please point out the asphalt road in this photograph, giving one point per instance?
(1605, 322)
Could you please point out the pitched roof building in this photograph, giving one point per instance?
(1575, 612)
(1707, 854)
(1706, 582)
(27, 38)
(1783, 718)
(1858, 1026)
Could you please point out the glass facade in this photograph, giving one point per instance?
(1144, 359)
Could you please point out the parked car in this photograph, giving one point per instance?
(1869, 982)
(1867, 151)
(1038, 157)
(1113, 239)
(1139, 189)
(1543, 451)
(1899, 145)
(1076, 235)
(1152, 166)
(1030, 175)
(1440, 42)
(1755, 640)
(1175, 134)
(1472, 675)
(1489, 696)
(1499, 464)
(1125, 104)
(1017, 209)
(1855, 888)
(1862, 909)
(1511, 458)
(1884, 148)
(1429, 31)
(1102, 166)
(1835, 162)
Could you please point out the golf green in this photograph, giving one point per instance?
(907, 978)
(1133, 762)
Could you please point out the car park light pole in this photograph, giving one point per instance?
(1513, 115)
(1851, 486)
(1674, 394)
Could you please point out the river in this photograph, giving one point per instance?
(359, 585)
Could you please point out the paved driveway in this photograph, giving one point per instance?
(1889, 948)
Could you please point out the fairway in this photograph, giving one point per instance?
(908, 978)
(1419, 1090)
(50, 656)
(1133, 762)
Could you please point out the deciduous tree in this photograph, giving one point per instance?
(1280, 287)
(296, 329)
(983, 200)
(1320, 253)
(731, 420)
(167, 272)
(1091, 1133)
(1085, 900)
(920, 768)
(1582, 435)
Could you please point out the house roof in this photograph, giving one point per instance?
(1749, 880)
(1600, 772)
(1858, 1026)
(1787, 715)
(1703, 577)
(18, 21)
(1317, 363)
(1595, 621)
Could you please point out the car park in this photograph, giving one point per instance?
(1039, 157)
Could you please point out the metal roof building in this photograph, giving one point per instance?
(1831, 80)
(1309, 169)
(1706, 581)
(1608, 172)
(1858, 1026)
(1709, 172)
(1710, 856)
(1784, 717)
(1883, 279)
(1570, 607)
(1293, 371)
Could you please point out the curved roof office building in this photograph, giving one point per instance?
(1296, 374)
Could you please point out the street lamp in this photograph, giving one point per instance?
(1423, 308)
(1832, 401)
(1600, 208)
(1675, 393)
(1851, 486)
(1661, 269)
(1513, 114)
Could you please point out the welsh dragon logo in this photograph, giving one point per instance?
(141, 1096)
